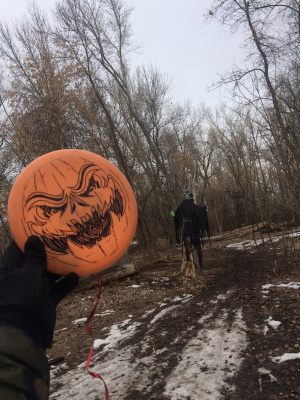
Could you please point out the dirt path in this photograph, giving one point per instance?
(162, 338)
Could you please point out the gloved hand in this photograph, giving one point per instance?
(28, 294)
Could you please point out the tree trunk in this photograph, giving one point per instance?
(191, 260)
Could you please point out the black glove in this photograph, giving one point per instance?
(28, 294)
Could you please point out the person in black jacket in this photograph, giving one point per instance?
(186, 219)
(190, 224)
(28, 299)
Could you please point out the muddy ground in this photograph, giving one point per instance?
(227, 270)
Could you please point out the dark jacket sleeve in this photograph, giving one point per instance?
(24, 373)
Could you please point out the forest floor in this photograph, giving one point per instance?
(233, 333)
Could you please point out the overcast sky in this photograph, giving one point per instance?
(173, 36)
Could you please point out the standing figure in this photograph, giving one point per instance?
(190, 224)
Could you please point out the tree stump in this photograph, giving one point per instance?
(192, 261)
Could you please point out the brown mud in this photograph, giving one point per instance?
(240, 272)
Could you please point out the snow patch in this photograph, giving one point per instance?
(115, 335)
(207, 361)
(212, 354)
(162, 313)
(286, 357)
(289, 285)
(79, 320)
(54, 370)
(274, 324)
(264, 371)
(107, 312)
(246, 244)
(60, 330)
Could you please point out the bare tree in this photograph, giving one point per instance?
(272, 32)
(266, 53)
(39, 90)
(132, 110)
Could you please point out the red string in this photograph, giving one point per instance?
(88, 361)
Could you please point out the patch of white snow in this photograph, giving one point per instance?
(207, 361)
(274, 324)
(286, 357)
(79, 320)
(163, 312)
(264, 371)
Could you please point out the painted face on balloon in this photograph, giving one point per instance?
(76, 212)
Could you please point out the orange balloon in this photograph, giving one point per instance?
(80, 205)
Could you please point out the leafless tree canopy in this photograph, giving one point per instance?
(67, 82)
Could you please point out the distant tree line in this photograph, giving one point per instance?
(67, 81)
